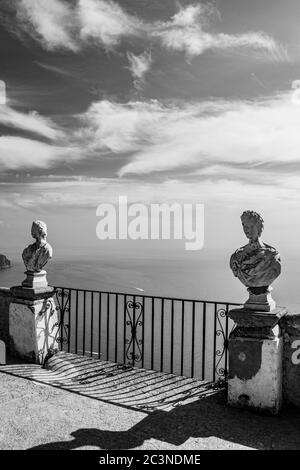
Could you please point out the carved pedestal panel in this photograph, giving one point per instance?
(32, 320)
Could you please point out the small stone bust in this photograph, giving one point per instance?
(36, 256)
(255, 264)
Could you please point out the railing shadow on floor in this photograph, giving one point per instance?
(205, 418)
(132, 388)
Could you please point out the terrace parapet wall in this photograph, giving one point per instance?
(290, 326)
(5, 300)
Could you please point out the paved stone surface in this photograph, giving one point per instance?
(142, 389)
(39, 416)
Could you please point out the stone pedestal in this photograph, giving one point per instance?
(255, 360)
(33, 323)
(260, 299)
(35, 280)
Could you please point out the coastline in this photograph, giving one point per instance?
(5, 267)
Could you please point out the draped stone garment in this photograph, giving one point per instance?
(36, 257)
(255, 264)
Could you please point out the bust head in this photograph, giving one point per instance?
(253, 225)
(39, 230)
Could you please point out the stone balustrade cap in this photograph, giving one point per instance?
(246, 318)
(256, 324)
(29, 293)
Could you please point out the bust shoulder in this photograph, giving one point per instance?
(270, 248)
(47, 248)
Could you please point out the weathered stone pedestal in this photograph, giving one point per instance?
(260, 299)
(35, 279)
(32, 323)
(255, 360)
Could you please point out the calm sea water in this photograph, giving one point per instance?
(196, 279)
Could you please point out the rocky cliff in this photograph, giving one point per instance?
(4, 262)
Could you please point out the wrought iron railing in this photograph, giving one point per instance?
(180, 336)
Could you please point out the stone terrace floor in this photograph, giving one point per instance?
(83, 403)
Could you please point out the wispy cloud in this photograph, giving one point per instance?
(164, 137)
(245, 132)
(91, 192)
(19, 153)
(50, 23)
(119, 128)
(53, 68)
(156, 137)
(2, 93)
(105, 22)
(31, 122)
(64, 25)
(139, 65)
(186, 31)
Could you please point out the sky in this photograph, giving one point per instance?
(160, 101)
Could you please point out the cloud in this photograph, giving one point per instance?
(31, 122)
(161, 137)
(186, 32)
(139, 65)
(2, 93)
(62, 25)
(105, 22)
(50, 23)
(72, 26)
(20, 153)
(54, 69)
(261, 175)
(246, 132)
(120, 128)
(90, 192)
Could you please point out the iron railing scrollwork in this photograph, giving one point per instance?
(47, 306)
(220, 331)
(134, 344)
(221, 351)
(63, 301)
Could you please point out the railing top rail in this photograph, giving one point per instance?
(176, 299)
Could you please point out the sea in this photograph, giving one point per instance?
(192, 278)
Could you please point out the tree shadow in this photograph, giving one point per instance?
(208, 417)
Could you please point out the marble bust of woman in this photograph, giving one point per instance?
(256, 264)
(36, 255)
